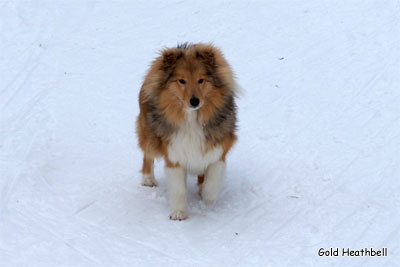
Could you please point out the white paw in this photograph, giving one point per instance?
(148, 180)
(209, 198)
(213, 182)
(209, 201)
(178, 215)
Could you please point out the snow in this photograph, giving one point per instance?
(317, 163)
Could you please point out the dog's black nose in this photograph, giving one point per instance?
(194, 102)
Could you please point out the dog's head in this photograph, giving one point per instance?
(190, 78)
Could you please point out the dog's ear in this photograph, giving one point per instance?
(167, 64)
(209, 56)
(170, 58)
(206, 55)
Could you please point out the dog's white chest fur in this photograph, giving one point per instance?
(188, 146)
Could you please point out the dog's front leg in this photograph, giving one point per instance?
(177, 192)
(213, 182)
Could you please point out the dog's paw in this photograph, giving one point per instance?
(178, 215)
(209, 201)
(148, 180)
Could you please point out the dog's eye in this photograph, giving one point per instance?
(201, 80)
(182, 81)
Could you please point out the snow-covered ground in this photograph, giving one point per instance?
(317, 164)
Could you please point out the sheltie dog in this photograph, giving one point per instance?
(188, 117)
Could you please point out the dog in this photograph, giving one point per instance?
(188, 117)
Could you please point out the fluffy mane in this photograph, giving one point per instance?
(164, 114)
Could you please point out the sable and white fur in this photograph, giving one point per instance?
(191, 139)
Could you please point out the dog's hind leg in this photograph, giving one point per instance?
(200, 181)
(148, 172)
